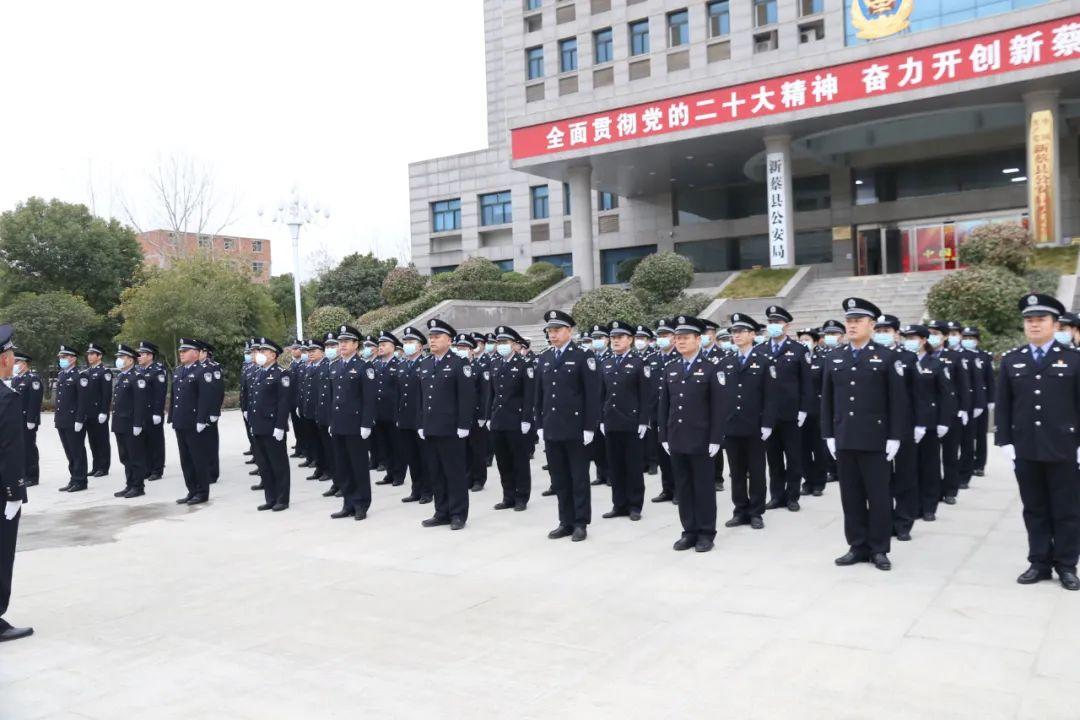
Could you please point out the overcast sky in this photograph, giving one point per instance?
(335, 97)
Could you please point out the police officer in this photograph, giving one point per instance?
(247, 372)
(513, 395)
(746, 380)
(385, 436)
(12, 464)
(351, 421)
(814, 454)
(210, 406)
(953, 440)
(692, 432)
(984, 378)
(95, 395)
(973, 363)
(447, 412)
(69, 418)
(410, 398)
(27, 383)
(271, 402)
(323, 392)
(665, 345)
(130, 418)
(710, 346)
(190, 417)
(643, 341)
(479, 440)
(303, 444)
(154, 373)
(862, 416)
(307, 405)
(567, 413)
(628, 395)
(1038, 429)
(794, 394)
(905, 466)
(599, 347)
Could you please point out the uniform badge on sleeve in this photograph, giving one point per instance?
(285, 381)
(217, 374)
(591, 362)
(84, 382)
(467, 370)
(371, 373)
(978, 363)
(108, 377)
(487, 375)
(142, 383)
(772, 371)
(529, 372)
(37, 385)
(648, 372)
(946, 371)
(208, 377)
(899, 368)
(721, 377)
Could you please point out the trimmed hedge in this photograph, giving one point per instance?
(605, 304)
(402, 285)
(983, 295)
(663, 275)
(1003, 245)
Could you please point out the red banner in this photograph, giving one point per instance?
(1031, 46)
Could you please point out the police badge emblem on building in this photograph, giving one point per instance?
(880, 18)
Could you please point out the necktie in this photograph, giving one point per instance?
(854, 353)
(686, 370)
(742, 360)
(1038, 355)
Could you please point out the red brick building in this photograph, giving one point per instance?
(160, 247)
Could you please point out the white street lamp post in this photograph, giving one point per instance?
(295, 212)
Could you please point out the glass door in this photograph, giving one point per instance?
(869, 254)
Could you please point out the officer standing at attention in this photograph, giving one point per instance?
(599, 348)
(351, 421)
(324, 389)
(815, 456)
(951, 443)
(386, 408)
(905, 466)
(665, 344)
(567, 411)
(130, 418)
(410, 398)
(95, 394)
(692, 432)
(303, 444)
(1038, 429)
(69, 419)
(862, 416)
(307, 407)
(271, 401)
(511, 416)
(186, 414)
(446, 415)
(158, 389)
(27, 383)
(471, 348)
(984, 376)
(210, 406)
(11, 479)
(247, 372)
(627, 393)
(643, 339)
(973, 363)
(794, 394)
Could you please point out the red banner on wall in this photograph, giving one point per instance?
(1031, 46)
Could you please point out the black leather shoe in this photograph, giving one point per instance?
(775, 504)
(817, 492)
(134, 493)
(253, 472)
(360, 515)
(850, 558)
(65, 488)
(949, 500)
(1068, 579)
(520, 507)
(330, 493)
(257, 487)
(306, 464)
(456, 523)
(76, 487)
(385, 481)
(560, 532)
(504, 505)
(978, 473)
(248, 452)
(662, 497)
(435, 522)
(198, 500)
(757, 523)
(397, 483)
(549, 492)
(14, 633)
(265, 506)
(250, 462)
(596, 482)
(793, 505)
(410, 498)
(805, 489)
(1033, 575)
(684, 543)
(929, 517)
(614, 514)
(903, 535)
(635, 515)
(579, 534)
(99, 473)
(155, 476)
(719, 486)
(279, 507)
(476, 487)
(964, 485)
(342, 513)
(651, 470)
(31, 483)
(881, 561)
(703, 545)
(424, 499)
(736, 521)
(338, 493)
(314, 476)
(120, 493)
(183, 500)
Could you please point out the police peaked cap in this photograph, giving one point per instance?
(1039, 304)
(435, 325)
(620, 327)
(557, 318)
(775, 311)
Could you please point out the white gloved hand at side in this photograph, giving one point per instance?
(942, 430)
(602, 431)
(525, 428)
(78, 427)
(157, 418)
(462, 434)
(800, 418)
(30, 426)
(831, 444)
(920, 433)
(641, 430)
(136, 431)
(1009, 452)
(667, 448)
(279, 434)
(713, 449)
(214, 418)
(963, 417)
(765, 433)
(587, 436)
(199, 427)
(420, 433)
(990, 407)
(101, 418)
(540, 434)
(977, 412)
(365, 433)
(891, 448)
(12, 509)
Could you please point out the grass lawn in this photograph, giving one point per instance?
(759, 282)
(1060, 259)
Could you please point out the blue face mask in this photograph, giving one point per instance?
(247, 357)
(641, 345)
(331, 352)
(911, 345)
(489, 347)
(597, 345)
(726, 345)
(969, 344)
(706, 340)
(367, 352)
(64, 363)
(832, 340)
(883, 339)
(663, 343)
(303, 357)
(119, 362)
(935, 341)
(954, 341)
(758, 339)
(1063, 336)
(506, 350)
(775, 330)
(462, 353)
(411, 348)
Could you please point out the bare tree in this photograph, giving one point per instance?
(319, 261)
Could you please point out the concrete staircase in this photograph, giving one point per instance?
(902, 295)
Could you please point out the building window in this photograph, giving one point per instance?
(534, 59)
(566, 198)
(811, 7)
(538, 194)
(764, 12)
(532, 5)
(505, 265)
(495, 208)
(639, 37)
(446, 215)
(206, 242)
(563, 262)
(618, 264)
(937, 176)
(443, 269)
(603, 50)
(229, 243)
(568, 55)
(719, 18)
(678, 25)
(174, 239)
(256, 246)
(607, 201)
(257, 267)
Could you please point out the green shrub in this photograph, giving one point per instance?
(984, 295)
(625, 270)
(326, 318)
(664, 275)
(477, 269)
(403, 284)
(1003, 245)
(540, 268)
(512, 276)
(684, 304)
(605, 304)
(1042, 281)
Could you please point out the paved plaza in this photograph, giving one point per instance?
(146, 609)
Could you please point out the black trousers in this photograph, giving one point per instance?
(905, 484)
(377, 448)
(746, 456)
(313, 447)
(512, 459)
(929, 469)
(155, 449)
(383, 444)
(192, 447)
(814, 453)
(624, 450)
(598, 455)
(476, 448)
(784, 451)
(1050, 492)
(100, 448)
(74, 444)
(31, 469)
(132, 453)
(9, 533)
(667, 480)
(212, 443)
(444, 461)
(568, 462)
(865, 498)
(950, 458)
(981, 428)
(272, 458)
(302, 443)
(353, 476)
(326, 450)
(412, 453)
(967, 448)
(695, 478)
(651, 448)
(718, 464)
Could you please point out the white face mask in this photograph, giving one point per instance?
(64, 363)
(641, 344)
(505, 349)
(19, 369)
(331, 352)
(489, 347)
(969, 344)
(775, 330)
(260, 359)
(726, 345)
(367, 352)
(832, 340)
(247, 357)
(598, 345)
(663, 343)
(808, 344)
(935, 341)
(758, 339)
(912, 345)
(119, 363)
(706, 340)
(462, 353)
(411, 348)
(1062, 336)
(303, 357)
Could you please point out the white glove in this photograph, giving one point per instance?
(990, 407)
(214, 418)
(831, 444)
(588, 436)
(667, 448)
(279, 434)
(78, 427)
(136, 431)
(963, 417)
(157, 418)
(365, 433)
(245, 414)
(420, 433)
(713, 449)
(462, 434)
(976, 412)
(12, 509)
(891, 448)
(1009, 452)
(540, 435)
(479, 423)
(30, 426)
(920, 433)
(602, 429)
(525, 428)
(641, 430)
(1078, 456)
(941, 430)
(199, 427)
(765, 433)
(101, 418)
(800, 418)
